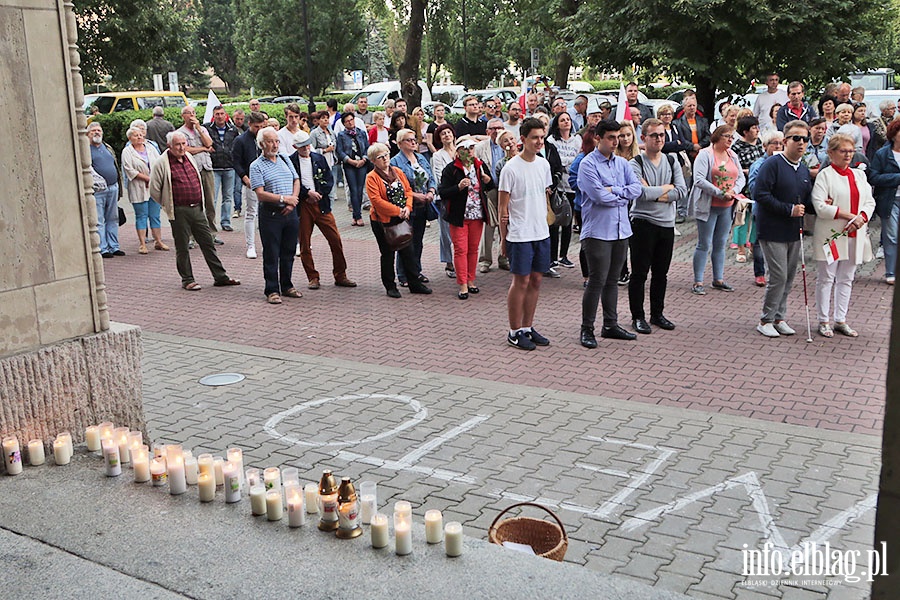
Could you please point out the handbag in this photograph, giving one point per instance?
(122, 218)
(562, 210)
(398, 235)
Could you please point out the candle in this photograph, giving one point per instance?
(274, 505)
(251, 477)
(231, 474)
(66, 437)
(379, 530)
(106, 429)
(187, 454)
(402, 535)
(120, 435)
(328, 502)
(296, 512)
(272, 478)
(258, 500)
(206, 482)
(453, 538)
(177, 479)
(36, 454)
(12, 456)
(348, 511)
(190, 470)
(111, 457)
(92, 437)
(311, 492)
(218, 464)
(140, 460)
(135, 441)
(434, 526)
(158, 472)
(404, 509)
(290, 474)
(236, 456)
(206, 465)
(61, 454)
(368, 499)
(159, 450)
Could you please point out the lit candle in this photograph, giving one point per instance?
(175, 468)
(218, 463)
(404, 509)
(274, 505)
(290, 474)
(311, 493)
(36, 454)
(12, 456)
(231, 474)
(140, 460)
(111, 457)
(434, 526)
(453, 538)
(328, 502)
(92, 437)
(158, 472)
(251, 476)
(402, 534)
(206, 465)
(120, 435)
(258, 500)
(159, 450)
(190, 470)
(380, 536)
(272, 478)
(296, 512)
(61, 454)
(236, 456)
(135, 441)
(206, 482)
(368, 500)
(66, 437)
(106, 429)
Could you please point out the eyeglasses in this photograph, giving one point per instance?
(382, 156)
(848, 152)
(656, 135)
(797, 138)
(409, 139)
(495, 128)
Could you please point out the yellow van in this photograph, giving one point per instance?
(111, 102)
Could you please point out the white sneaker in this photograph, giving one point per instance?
(251, 252)
(784, 329)
(297, 253)
(890, 279)
(880, 252)
(768, 330)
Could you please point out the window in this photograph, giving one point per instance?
(150, 101)
(176, 101)
(124, 104)
(104, 104)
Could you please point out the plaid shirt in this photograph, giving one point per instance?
(747, 153)
(186, 188)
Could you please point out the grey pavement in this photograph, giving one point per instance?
(663, 496)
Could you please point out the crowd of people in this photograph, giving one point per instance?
(535, 174)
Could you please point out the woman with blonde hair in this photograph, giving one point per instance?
(138, 159)
(419, 126)
(628, 144)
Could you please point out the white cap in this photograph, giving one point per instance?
(301, 138)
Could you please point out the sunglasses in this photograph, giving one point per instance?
(797, 138)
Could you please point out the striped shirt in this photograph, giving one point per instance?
(274, 177)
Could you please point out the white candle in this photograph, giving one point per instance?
(135, 441)
(402, 535)
(206, 482)
(311, 493)
(206, 465)
(453, 538)
(61, 454)
(274, 505)
(141, 461)
(258, 500)
(368, 501)
(190, 470)
(296, 511)
(159, 450)
(232, 478)
(290, 474)
(66, 437)
(236, 456)
(434, 526)
(120, 435)
(218, 464)
(177, 479)
(158, 472)
(272, 478)
(404, 509)
(380, 535)
(12, 456)
(251, 477)
(111, 457)
(106, 429)
(92, 437)
(36, 454)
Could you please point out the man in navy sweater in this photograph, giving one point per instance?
(783, 187)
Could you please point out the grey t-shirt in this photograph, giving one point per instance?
(648, 206)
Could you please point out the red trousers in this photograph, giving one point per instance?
(465, 249)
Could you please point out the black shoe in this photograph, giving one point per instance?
(419, 289)
(587, 337)
(473, 289)
(218, 242)
(423, 279)
(118, 253)
(462, 295)
(107, 255)
(679, 219)
(617, 333)
(623, 280)
(721, 285)
(227, 228)
(641, 326)
(394, 293)
(537, 338)
(662, 323)
(520, 340)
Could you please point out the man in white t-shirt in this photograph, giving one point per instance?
(524, 234)
(769, 98)
(286, 134)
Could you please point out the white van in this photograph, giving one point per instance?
(385, 90)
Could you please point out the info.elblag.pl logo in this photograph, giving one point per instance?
(818, 564)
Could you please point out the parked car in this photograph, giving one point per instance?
(581, 87)
(448, 94)
(288, 99)
(111, 102)
(505, 95)
(428, 107)
(378, 93)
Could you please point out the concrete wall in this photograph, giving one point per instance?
(51, 280)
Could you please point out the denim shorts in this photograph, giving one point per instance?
(526, 258)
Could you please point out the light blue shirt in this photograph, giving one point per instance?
(497, 155)
(604, 213)
(274, 177)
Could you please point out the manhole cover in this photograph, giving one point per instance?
(222, 379)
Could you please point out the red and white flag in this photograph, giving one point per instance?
(622, 112)
(831, 251)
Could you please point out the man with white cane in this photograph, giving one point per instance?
(783, 188)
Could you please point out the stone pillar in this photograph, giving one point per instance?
(61, 365)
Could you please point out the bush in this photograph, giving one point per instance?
(341, 97)
(605, 84)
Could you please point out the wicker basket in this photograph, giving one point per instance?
(546, 538)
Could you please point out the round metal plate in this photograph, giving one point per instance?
(222, 379)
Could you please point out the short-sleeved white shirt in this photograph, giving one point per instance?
(527, 184)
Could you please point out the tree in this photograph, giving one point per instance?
(409, 68)
(216, 34)
(548, 25)
(269, 39)
(484, 57)
(722, 45)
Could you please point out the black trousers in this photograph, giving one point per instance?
(651, 253)
(406, 257)
(278, 234)
(605, 259)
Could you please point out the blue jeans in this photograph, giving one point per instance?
(712, 234)
(338, 174)
(417, 220)
(236, 194)
(108, 218)
(278, 234)
(224, 179)
(889, 239)
(144, 212)
(446, 244)
(356, 182)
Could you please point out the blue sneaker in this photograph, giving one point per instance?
(520, 340)
(537, 338)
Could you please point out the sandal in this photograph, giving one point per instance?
(142, 250)
(845, 329)
(741, 258)
(825, 330)
(160, 246)
(192, 286)
(423, 279)
(292, 293)
(273, 299)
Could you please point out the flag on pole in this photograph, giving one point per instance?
(211, 102)
(622, 113)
